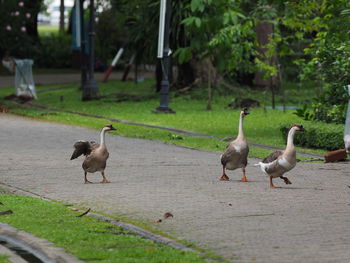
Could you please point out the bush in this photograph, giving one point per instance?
(54, 51)
(329, 107)
(327, 137)
(17, 34)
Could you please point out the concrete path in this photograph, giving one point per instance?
(308, 221)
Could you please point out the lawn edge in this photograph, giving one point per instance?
(161, 238)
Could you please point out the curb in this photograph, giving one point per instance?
(42, 249)
(135, 229)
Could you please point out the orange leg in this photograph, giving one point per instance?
(86, 180)
(244, 178)
(104, 180)
(271, 183)
(224, 177)
(286, 180)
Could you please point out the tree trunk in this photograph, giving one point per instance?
(209, 91)
(32, 24)
(62, 9)
(264, 32)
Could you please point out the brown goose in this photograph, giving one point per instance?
(236, 154)
(96, 155)
(280, 162)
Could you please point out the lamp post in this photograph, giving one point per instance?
(90, 88)
(83, 65)
(164, 53)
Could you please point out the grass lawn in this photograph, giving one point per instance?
(4, 258)
(88, 238)
(261, 126)
(48, 29)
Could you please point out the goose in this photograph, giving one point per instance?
(280, 162)
(96, 155)
(347, 143)
(236, 154)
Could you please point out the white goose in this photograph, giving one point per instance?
(280, 162)
(236, 154)
(347, 143)
(96, 155)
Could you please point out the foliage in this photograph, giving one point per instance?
(329, 107)
(326, 60)
(17, 18)
(317, 136)
(54, 51)
(110, 34)
(214, 28)
(88, 238)
(141, 27)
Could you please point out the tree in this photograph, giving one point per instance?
(18, 27)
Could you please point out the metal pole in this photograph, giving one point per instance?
(82, 46)
(165, 62)
(62, 16)
(90, 90)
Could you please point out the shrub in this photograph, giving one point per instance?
(327, 137)
(17, 27)
(329, 107)
(54, 51)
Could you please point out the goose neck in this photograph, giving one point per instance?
(102, 137)
(290, 139)
(240, 127)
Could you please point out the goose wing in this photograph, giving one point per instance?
(83, 147)
(235, 153)
(273, 156)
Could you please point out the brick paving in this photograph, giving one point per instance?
(308, 221)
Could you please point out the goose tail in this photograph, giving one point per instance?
(262, 166)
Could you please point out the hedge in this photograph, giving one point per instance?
(317, 135)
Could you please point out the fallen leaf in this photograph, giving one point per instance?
(87, 211)
(167, 215)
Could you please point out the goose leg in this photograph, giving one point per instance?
(271, 183)
(286, 180)
(86, 180)
(244, 178)
(104, 180)
(224, 177)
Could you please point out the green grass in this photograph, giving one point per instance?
(87, 238)
(4, 258)
(48, 29)
(261, 126)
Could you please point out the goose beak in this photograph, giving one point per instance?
(110, 127)
(245, 111)
(302, 128)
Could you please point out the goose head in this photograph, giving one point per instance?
(298, 127)
(109, 127)
(244, 112)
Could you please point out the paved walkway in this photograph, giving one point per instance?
(243, 222)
